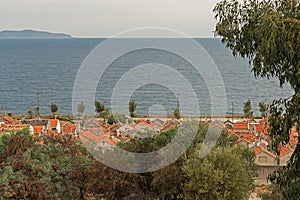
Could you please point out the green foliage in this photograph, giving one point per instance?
(149, 144)
(284, 114)
(288, 178)
(66, 118)
(249, 160)
(111, 119)
(169, 182)
(220, 175)
(132, 107)
(101, 109)
(80, 108)
(63, 169)
(248, 113)
(33, 171)
(37, 110)
(165, 183)
(53, 108)
(268, 33)
(272, 193)
(263, 108)
(117, 118)
(176, 113)
(57, 169)
(30, 113)
(226, 139)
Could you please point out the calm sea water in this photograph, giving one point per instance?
(49, 67)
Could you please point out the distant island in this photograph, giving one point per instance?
(31, 34)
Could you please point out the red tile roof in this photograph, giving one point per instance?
(111, 141)
(260, 128)
(261, 148)
(167, 127)
(265, 131)
(53, 123)
(13, 127)
(9, 119)
(293, 143)
(67, 127)
(251, 137)
(83, 139)
(284, 150)
(89, 137)
(142, 122)
(257, 150)
(293, 137)
(51, 133)
(241, 126)
(37, 129)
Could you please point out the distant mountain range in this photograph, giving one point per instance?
(31, 34)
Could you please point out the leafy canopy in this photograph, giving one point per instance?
(132, 107)
(53, 107)
(220, 175)
(263, 108)
(248, 113)
(268, 33)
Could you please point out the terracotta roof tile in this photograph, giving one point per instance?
(240, 126)
(9, 119)
(53, 123)
(111, 141)
(260, 149)
(293, 143)
(284, 150)
(37, 129)
(67, 127)
(251, 137)
(166, 127)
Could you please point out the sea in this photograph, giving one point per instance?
(44, 71)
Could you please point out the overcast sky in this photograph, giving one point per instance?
(102, 18)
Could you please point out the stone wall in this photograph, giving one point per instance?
(263, 172)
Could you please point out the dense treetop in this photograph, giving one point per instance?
(268, 33)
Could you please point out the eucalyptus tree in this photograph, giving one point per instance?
(268, 34)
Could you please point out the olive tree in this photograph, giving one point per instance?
(220, 175)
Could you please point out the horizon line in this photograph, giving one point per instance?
(103, 36)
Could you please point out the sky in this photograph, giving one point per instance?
(106, 18)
